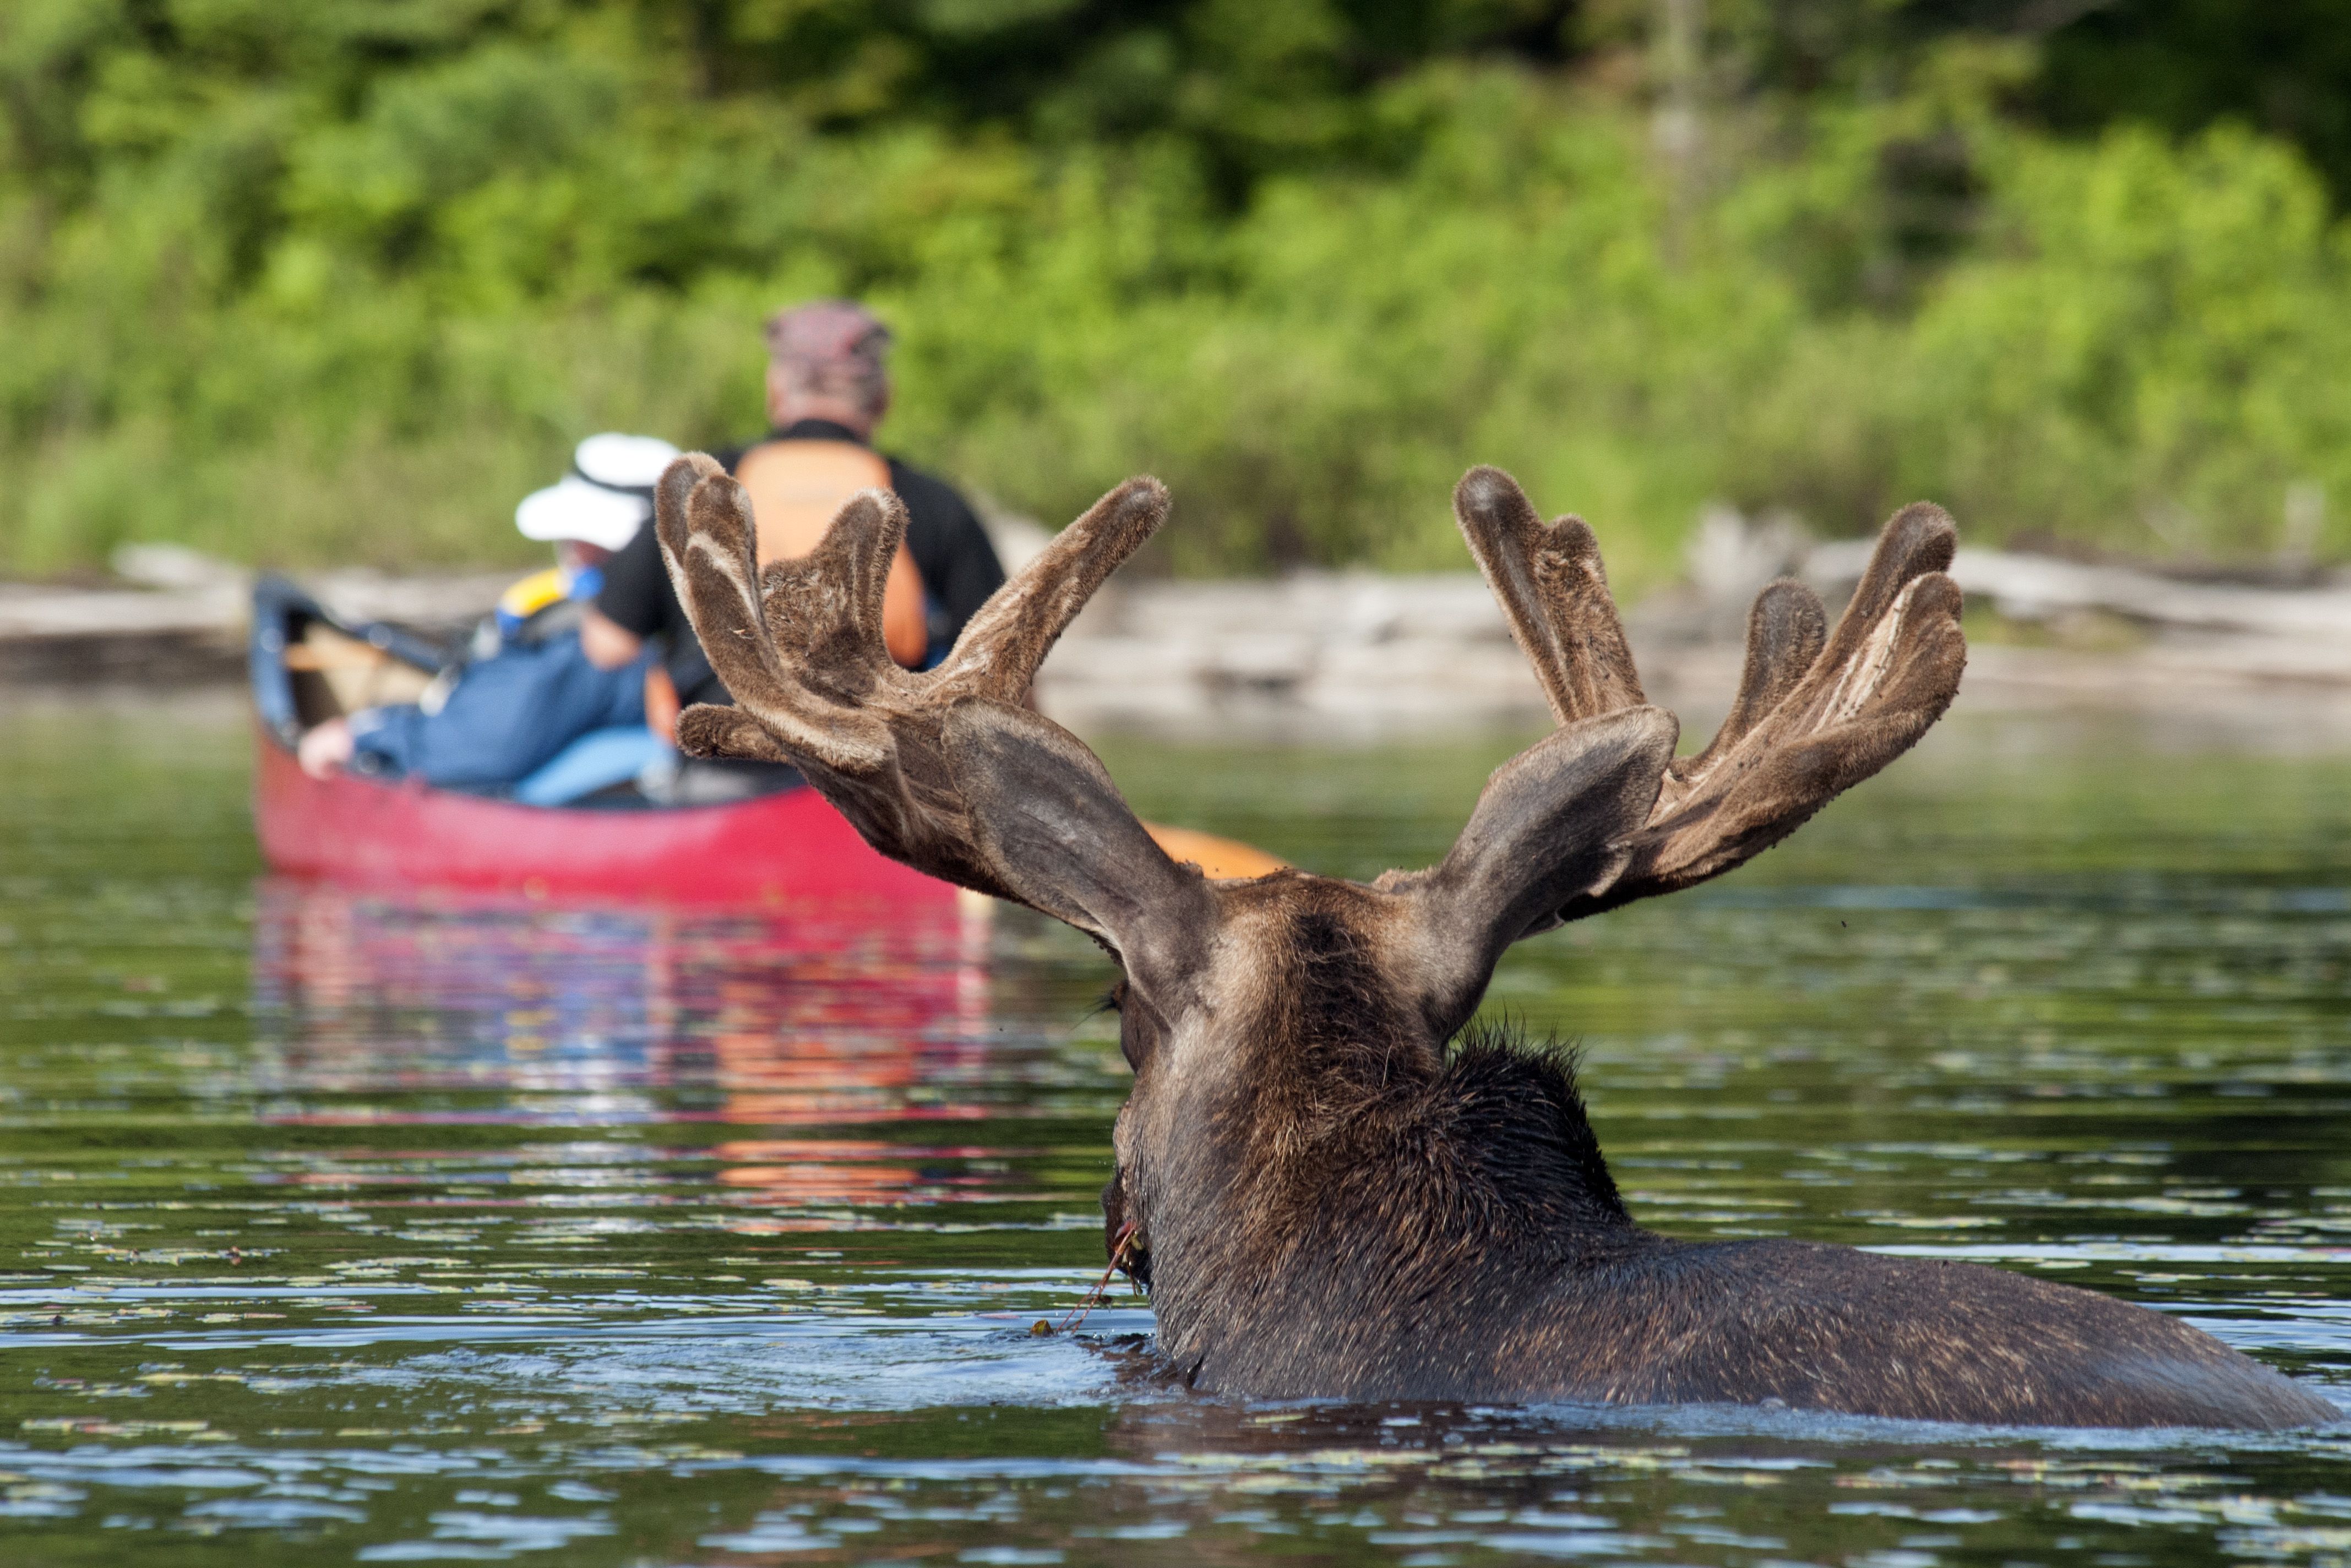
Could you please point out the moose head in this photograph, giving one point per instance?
(1334, 1184)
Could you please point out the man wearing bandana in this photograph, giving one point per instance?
(828, 387)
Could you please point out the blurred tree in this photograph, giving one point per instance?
(1255, 87)
(2280, 66)
(1299, 255)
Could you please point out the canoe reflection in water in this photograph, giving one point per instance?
(440, 1010)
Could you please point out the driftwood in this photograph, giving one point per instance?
(185, 622)
(2036, 588)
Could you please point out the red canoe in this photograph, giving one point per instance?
(771, 848)
(775, 849)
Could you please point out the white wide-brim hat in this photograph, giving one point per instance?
(605, 499)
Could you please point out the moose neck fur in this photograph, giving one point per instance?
(1335, 1187)
(1328, 1200)
(1330, 1182)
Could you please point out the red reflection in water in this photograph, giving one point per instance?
(807, 1016)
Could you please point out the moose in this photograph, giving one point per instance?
(1335, 1184)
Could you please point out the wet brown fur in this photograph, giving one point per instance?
(1337, 1189)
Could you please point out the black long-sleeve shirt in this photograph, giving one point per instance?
(958, 568)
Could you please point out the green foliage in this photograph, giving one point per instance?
(2135, 351)
(2279, 66)
(342, 279)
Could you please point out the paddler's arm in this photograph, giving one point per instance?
(633, 605)
(607, 643)
(326, 748)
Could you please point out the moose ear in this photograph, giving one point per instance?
(1549, 827)
(1049, 822)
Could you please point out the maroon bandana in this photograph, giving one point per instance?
(827, 334)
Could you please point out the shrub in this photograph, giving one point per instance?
(303, 296)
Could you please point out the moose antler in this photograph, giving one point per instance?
(948, 772)
(1601, 812)
(1815, 714)
(942, 769)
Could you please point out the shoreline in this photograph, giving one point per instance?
(1332, 656)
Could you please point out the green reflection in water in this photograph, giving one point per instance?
(336, 1227)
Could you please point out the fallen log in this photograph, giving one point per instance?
(2037, 588)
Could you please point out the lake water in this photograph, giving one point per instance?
(338, 1228)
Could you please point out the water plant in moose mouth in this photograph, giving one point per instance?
(1334, 1186)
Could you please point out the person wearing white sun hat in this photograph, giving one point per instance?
(526, 713)
(605, 497)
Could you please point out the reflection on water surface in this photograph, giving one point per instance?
(345, 1228)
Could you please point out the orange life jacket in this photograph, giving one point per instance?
(796, 488)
